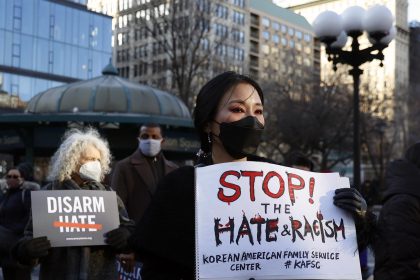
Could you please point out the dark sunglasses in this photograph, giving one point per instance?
(12, 176)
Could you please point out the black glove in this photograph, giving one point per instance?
(33, 248)
(351, 200)
(118, 238)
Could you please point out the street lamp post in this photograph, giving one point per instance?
(333, 30)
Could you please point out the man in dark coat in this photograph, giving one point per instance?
(135, 178)
(397, 246)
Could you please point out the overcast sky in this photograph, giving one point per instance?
(413, 10)
(413, 7)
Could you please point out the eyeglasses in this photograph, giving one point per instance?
(12, 176)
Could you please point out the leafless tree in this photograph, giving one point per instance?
(182, 33)
(383, 129)
(312, 118)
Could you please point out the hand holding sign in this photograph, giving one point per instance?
(351, 200)
(33, 249)
(118, 238)
(75, 217)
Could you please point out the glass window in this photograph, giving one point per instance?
(3, 14)
(58, 59)
(283, 28)
(284, 41)
(75, 33)
(27, 52)
(8, 48)
(43, 19)
(105, 35)
(9, 15)
(41, 56)
(222, 11)
(16, 55)
(298, 34)
(238, 17)
(83, 29)
(17, 17)
(266, 35)
(67, 60)
(25, 92)
(265, 21)
(27, 17)
(68, 32)
(2, 46)
(292, 43)
(291, 31)
(60, 23)
(239, 3)
(307, 37)
(276, 38)
(82, 64)
(265, 49)
(276, 26)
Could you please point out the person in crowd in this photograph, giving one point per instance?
(27, 171)
(397, 246)
(298, 160)
(15, 209)
(135, 178)
(80, 163)
(229, 119)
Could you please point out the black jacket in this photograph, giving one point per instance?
(397, 246)
(77, 263)
(164, 238)
(15, 209)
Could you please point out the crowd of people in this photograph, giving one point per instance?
(154, 194)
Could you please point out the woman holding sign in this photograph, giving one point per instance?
(80, 164)
(229, 119)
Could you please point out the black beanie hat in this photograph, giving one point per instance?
(26, 171)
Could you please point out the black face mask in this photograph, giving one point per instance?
(241, 138)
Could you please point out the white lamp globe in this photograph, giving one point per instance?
(388, 38)
(378, 19)
(340, 42)
(352, 19)
(327, 25)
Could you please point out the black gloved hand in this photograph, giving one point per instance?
(351, 200)
(118, 238)
(34, 248)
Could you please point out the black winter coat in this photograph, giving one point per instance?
(165, 235)
(78, 263)
(397, 245)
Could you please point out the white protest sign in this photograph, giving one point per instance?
(267, 221)
(74, 217)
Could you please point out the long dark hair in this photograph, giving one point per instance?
(209, 98)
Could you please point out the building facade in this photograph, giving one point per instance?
(238, 35)
(46, 43)
(383, 90)
(388, 83)
(157, 42)
(282, 43)
(414, 88)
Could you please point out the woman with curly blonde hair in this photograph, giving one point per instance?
(65, 162)
(80, 163)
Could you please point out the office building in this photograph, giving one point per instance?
(385, 87)
(282, 45)
(46, 43)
